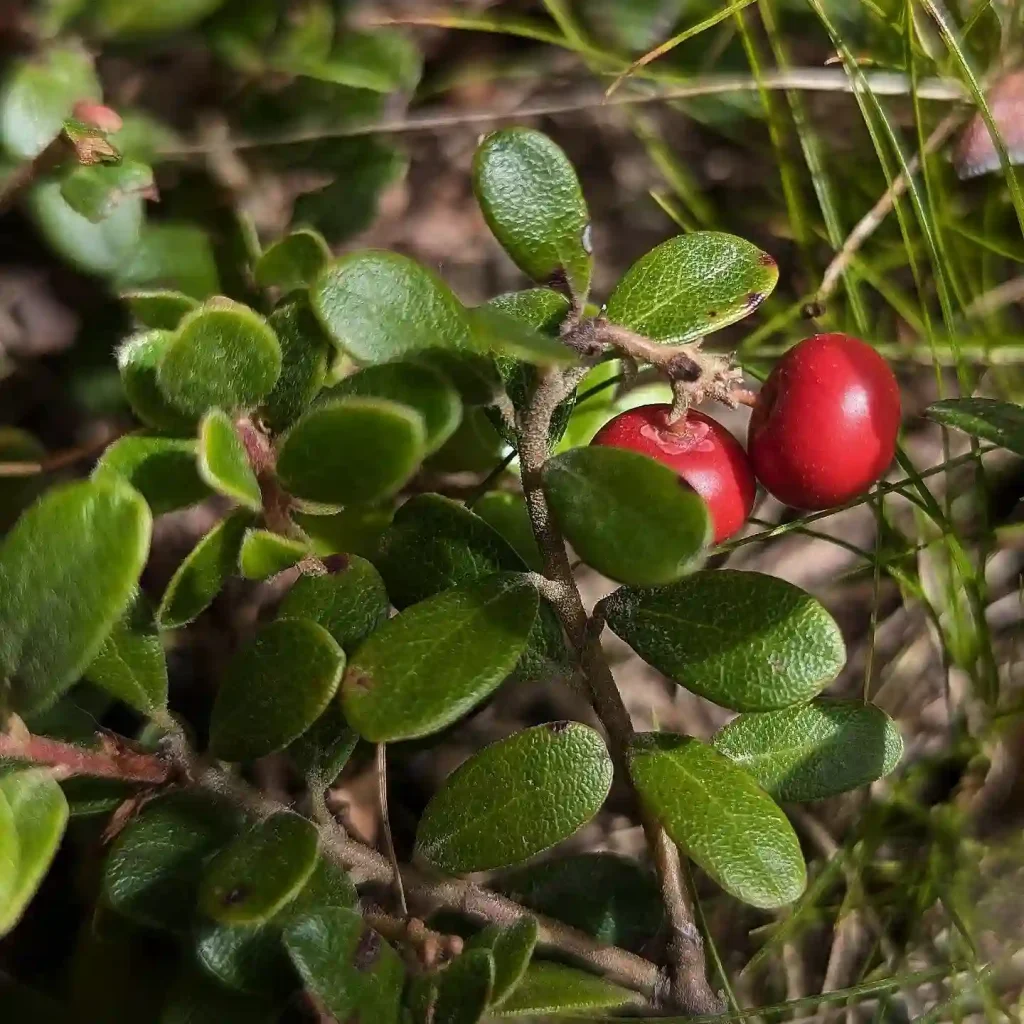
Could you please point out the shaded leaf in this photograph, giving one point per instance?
(402, 682)
(68, 569)
(475, 447)
(504, 335)
(275, 689)
(138, 358)
(533, 203)
(292, 262)
(223, 462)
(464, 988)
(127, 19)
(349, 967)
(551, 988)
(199, 578)
(506, 512)
(34, 816)
(1002, 423)
(131, 664)
(744, 640)
(194, 998)
(380, 306)
(323, 750)
(172, 255)
(159, 309)
(627, 515)
(516, 798)
(356, 530)
(382, 60)
(511, 949)
(692, 285)
(162, 469)
(718, 815)
(814, 750)
(223, 355)
(250, 880)
(95, 190)
(351, 450)
(414, 385)
(265, 554)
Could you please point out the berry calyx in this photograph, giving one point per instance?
(825, 423)
(707, 457)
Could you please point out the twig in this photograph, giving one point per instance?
(688, 980)
(60, 460)
(385, 824)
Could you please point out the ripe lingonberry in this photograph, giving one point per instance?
(700, 450)
(825, 422)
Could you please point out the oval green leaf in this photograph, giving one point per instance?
(68, 569)
(718, 815)
(548, 989)
(744, 640)
(306, 353)
(533, 204)
(414, 385)
(511, 949)
(627, 516)
(37, 818)
(349, 600)
(323, 750)
(380, 306)
(172, 255)
(293, 262)
(159, 310)
(162, 469)
(1002, 423)
(275, 689)
(222, 355)
(265, 554)
(506, 512)
(197, 581)
(95, 191)
(692, 285)
(138, 358)
(404, 684)
(507, 336)
(815, 750)
(250, 880)
(347, 965)
(351, 451)
(516, 798)
(223, 462)
(464, 988)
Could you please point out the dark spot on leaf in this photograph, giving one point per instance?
(235, 896)
(813, 310)
(712, 313)
(355, 679)
(558, 727)
(337, 563)
(754, 299)
(766, 260)
(367, 950)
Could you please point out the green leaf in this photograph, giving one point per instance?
(323, 750)
(414, 385)
(170, 255)
(384, 60)
(533, 204)
(68, 569)
(39, 94)
(516, 798)
(718, 815)
(511, 949)
(506, 512)
(505, 335)
(692, 285)
(744, 640)
(1002, 423)
(265, 554)
(352, 971)
(464, 988)
(404, 684)
(475, 447)
(95, 248)
(154, 869)
(555, 989)
(349, 601)
(355, 530)
(249, 881)
(223, 462)
(293, 262)
(610, 897)
(379, 306)
(627, 515)
(223, 355)
(352, 450)
(96, 190)
(38, 814)
(306, 354)
(128, 19)
(275, 689)
(138, 358)
(539, 308)
(161, 310)
(162, 469)
(814, 750)
(131, 664)
(197, 581)
(196, 999)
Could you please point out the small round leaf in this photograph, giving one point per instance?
(306, 353)
(223, 462)
(516, 798)
(265, 554)
(464, 988)
(511, 949)
(96, 190)
(138, 358)
(293, 262)
(159, 310)
(162, 469)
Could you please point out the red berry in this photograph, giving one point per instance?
(824, 426)
(700, 450)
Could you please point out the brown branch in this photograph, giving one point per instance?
(688, 986)
(115, 760)
(61, 460)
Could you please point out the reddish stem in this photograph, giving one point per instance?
(113, 761)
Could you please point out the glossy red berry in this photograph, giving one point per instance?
(825, 423)
(700, 450)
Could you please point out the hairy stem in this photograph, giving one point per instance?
(688, 986)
